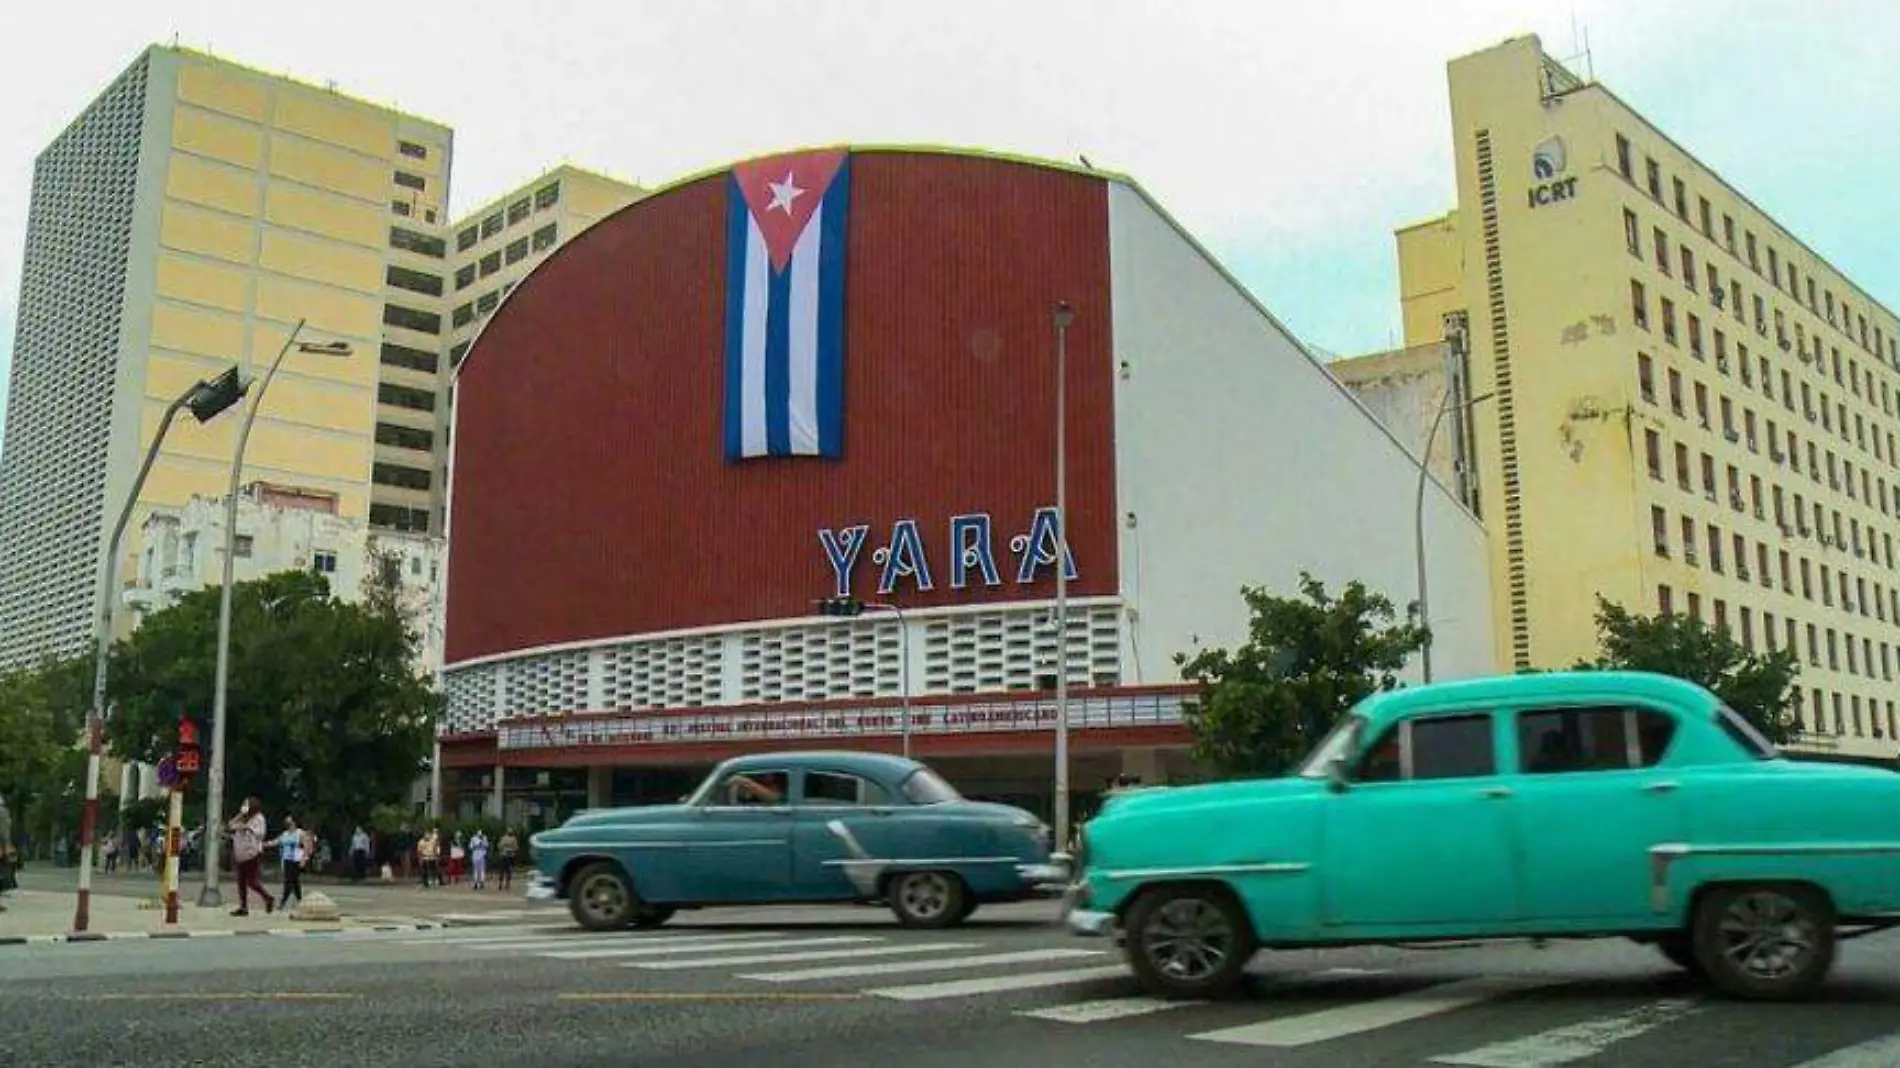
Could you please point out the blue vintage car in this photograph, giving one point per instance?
(788, 828)
(1566, 805)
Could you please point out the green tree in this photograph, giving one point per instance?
(326, 716)
(1760, 686)
(1307, 660)
(42, 715)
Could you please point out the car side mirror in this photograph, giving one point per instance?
(1336, 779)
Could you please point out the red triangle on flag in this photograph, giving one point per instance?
(783, 192)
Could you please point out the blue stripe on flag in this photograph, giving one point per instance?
(737, 219)
(831, 277)
(778, 363)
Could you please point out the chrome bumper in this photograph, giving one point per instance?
(542, 890)
(1090, 923)
(1043, 874)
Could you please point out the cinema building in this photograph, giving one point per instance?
(834, 374)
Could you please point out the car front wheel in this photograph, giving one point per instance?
(928, 899)
(1765, 942)
(601, 898)
(1189, 942)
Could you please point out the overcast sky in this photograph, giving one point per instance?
(1290, 137)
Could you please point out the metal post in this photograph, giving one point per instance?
(174, 825)
(96, 724)
(1418, 525)
(1064, 315)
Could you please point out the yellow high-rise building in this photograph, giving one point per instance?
(185, 221)
(1688, 409)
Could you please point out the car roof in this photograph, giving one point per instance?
(882, 765)
(1557, 686)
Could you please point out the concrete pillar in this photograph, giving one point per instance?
(498, 798)
(599, 787)
(435, 781)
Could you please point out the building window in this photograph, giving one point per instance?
(399, 207)
(1665, 600)
(1654, 173)
(455, 354)
(1652, 447)
(1639, 304)
(392, 517)
(1632, 234)
(405, 397)
(1682, 200)
(242, 546)
(491, 225)
(466, 239)
(491, 263)
(411, 319)
(465, 276)
(323, 562)
(1646, 376)
(487, 303)
(414, 281)
(412, 359)
(517, 250)
(517, 211)
(547, 196)
(1659, 529)
(423, 244)
(409, 181)
(412, 150)
(463, 315)
(544, 238)
(404, 437)
(401, 477)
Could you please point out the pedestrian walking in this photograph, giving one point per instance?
(457, 853)
(429, 857)
(508, 847)
(112, 852)
(478, 858)
(291, 853)
(359, 854)
(247, 848)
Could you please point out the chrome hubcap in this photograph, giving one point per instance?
(1188, 939)
(1767, 935)
(603, 897)
(925, 895)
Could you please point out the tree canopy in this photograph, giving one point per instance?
(1760, 686)
(326, 715)
(1306, 661)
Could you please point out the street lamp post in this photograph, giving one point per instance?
(206, 400)
(1418, 523)
(209, 897)
(1064, 317)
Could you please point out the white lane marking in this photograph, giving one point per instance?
(681, 947)
(997, 984)
(938, 965)
(458, 937)
(1328, 1024)
(790, 958)
(1082, 1012)
(1575, 1042)
(1883, 1052)
(596, 943)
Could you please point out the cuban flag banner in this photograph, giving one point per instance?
(785, 270)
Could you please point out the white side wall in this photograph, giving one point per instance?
(1241, 462)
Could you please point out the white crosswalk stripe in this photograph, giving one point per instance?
(656, 948)
(1576, 1042)
(1358, 1018)
(1086, 1012)
(1882, 1052)
(997, 984)
(792, 958)
(942, 964)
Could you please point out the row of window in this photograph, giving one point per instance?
(481, 307)
(399, 476)
(395, 517)
(404, 437)
(541, 241)
(1794, 513)
(412, 319)
(544, 198)
(1841, 315)
(1554, 741)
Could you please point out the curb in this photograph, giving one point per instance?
(278, 932)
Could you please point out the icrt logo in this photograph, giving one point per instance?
(1548, 160)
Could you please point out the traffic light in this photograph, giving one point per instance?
(840, 606)
(215, 396)
(188, 760)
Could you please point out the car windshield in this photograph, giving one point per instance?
(703, 791)
(1745, 735)
(926, 787)
(1337, 745)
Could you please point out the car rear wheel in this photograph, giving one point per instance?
(1189, 941)
(601, 898)
(1765, 942)
(928, 899)
(649, 916)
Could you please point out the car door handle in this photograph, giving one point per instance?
(1496, 792)
(1661, 787)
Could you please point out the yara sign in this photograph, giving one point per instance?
(972, 553)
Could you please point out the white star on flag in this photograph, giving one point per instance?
(783, 193)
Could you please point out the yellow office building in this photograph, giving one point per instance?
(1689, 409)
(183, 223)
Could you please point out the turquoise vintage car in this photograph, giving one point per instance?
(788, 828)
(1567, 805)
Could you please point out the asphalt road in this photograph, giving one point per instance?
(845, 986)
